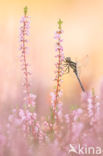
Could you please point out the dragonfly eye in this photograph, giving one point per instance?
(68, 59)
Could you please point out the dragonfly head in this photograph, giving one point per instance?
(68, 59)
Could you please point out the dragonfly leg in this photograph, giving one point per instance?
(64, 61)
(66, 70)
(65, 65)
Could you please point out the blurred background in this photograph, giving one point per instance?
(83, 35)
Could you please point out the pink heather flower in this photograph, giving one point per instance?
(77, 113)
(53, 96)
(67, 119)
(45, 126)
(3, 143)
(18, 122)
(90, 108)
(60, 115)
(60, 106)
(46, 123)
(41, 136)
(77, 127)
(93, 109)
(84, 97)
(60, 93)
(22, 114)
(97, 110)
(10, 118)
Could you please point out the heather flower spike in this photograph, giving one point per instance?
(24, 33)
(59, 65)
(56, 111)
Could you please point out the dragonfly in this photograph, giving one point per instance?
(68, 63)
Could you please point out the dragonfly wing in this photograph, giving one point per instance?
(82, 63)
